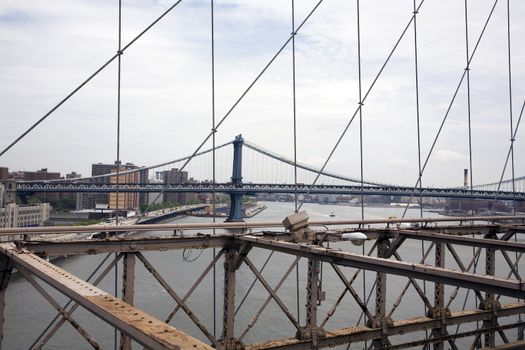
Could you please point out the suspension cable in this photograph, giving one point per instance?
(501, 181)
(88, 79)
(510, 108)
(360, 104)
(306, 167)
(115, 333)
(453, 98)
(360, 109)
(364, 98)
(418, 127)
(214, 178)
(467, 68)
(418, 124)
(295, 150)
(252, 84)
(294, 109)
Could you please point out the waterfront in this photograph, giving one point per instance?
(28, 313)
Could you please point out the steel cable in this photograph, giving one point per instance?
(87, 80)
(364, 97)
(251, 85)
(453, 98)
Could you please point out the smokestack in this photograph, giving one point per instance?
(465, 178)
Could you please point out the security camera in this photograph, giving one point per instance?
(296, 221)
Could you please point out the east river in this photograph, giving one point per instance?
(28, 313)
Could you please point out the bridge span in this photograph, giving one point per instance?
(313, 247)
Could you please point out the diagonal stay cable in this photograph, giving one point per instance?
(469, 61)
(254, 81)
(510, 150)
(88, 79)
(365, 97)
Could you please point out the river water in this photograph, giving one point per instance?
(27, 313)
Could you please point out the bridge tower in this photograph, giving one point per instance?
(235, 197)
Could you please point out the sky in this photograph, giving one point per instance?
(49, 47)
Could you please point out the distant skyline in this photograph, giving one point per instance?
(49, 47)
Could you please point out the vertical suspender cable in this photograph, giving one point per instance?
(213, 194)
(295, 147)
(118, 107)
(416, 74)
(118, 141)
(358, 14)
(512, 134)
(510, 109)
(418, 124)
(360, 107)
(294, 106)
(467, 68)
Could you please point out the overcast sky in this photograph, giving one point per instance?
(49, 47)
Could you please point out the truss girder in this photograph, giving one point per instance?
(269, 188)
(357, 334)
(142, 327)
(429, 273)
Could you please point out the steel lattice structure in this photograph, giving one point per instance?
(311, 245)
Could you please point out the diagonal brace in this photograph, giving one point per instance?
(195, 285)
(278, 300)
(59, 324)
(176, 297)
(352, 291)
(55, 305)
(263, 306)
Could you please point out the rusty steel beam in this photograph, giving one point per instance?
(176, 297)
(439, 296)
(490, 298)
(462, 279)
(411, 281)
(50, 332)
(515, 228)
(268, 299)
(128, 291)
(6, 267)
(357, 334)
(517, 345)
(466, 241)
(243, 225)
(272, 292)
(451, 337)
(228, 334)
(142, 327)
(196, 284)
(122, 245)
(25, 273)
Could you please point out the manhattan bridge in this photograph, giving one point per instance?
(347, 284)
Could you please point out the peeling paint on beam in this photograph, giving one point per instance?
(490, 284)
(357, 334)
(125, 245)
(466, 241)
(142, 327)
(242, 225)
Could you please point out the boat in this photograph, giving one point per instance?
(332, 215)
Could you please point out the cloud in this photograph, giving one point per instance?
(446, 155)
(48, 48)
